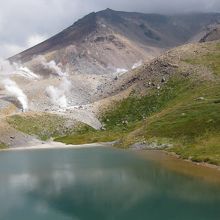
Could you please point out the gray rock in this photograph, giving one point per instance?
(163, 80)
(200, 99)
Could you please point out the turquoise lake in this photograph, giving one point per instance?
(101, 183)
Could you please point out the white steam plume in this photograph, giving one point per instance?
(51, 66)
(58, 95)
(6, 71)
(120, 71)
(136, 65)
(15, 91)
(25, 72)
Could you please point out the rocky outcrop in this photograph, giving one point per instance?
(212, 35)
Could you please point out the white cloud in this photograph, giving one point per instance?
(35, 39)
(10, 49)
(1, 23)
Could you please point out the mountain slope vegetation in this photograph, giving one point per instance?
(183, 114)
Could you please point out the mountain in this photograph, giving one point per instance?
(145, 80)
(112, 41)
(171, 103)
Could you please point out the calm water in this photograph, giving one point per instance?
(99, 184)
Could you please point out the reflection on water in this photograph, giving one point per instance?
(100, 184)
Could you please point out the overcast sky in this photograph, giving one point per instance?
(24, 23)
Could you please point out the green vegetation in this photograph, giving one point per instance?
(128, 115)
(188, 120)
(211, 59)
(205, 149)
(134, 109)
(3, 146)
(43, 126)
(193, 125)
(185, 114)
(85, 134)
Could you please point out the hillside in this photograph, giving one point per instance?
(174, 104)
(212, 35)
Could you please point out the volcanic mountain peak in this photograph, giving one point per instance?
(106, 41)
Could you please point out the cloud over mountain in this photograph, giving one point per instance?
(24, 21)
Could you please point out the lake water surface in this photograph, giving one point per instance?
(103, 183)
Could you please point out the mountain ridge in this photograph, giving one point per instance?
(109, 40)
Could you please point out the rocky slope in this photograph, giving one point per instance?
(172, 103)
(212, 34)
